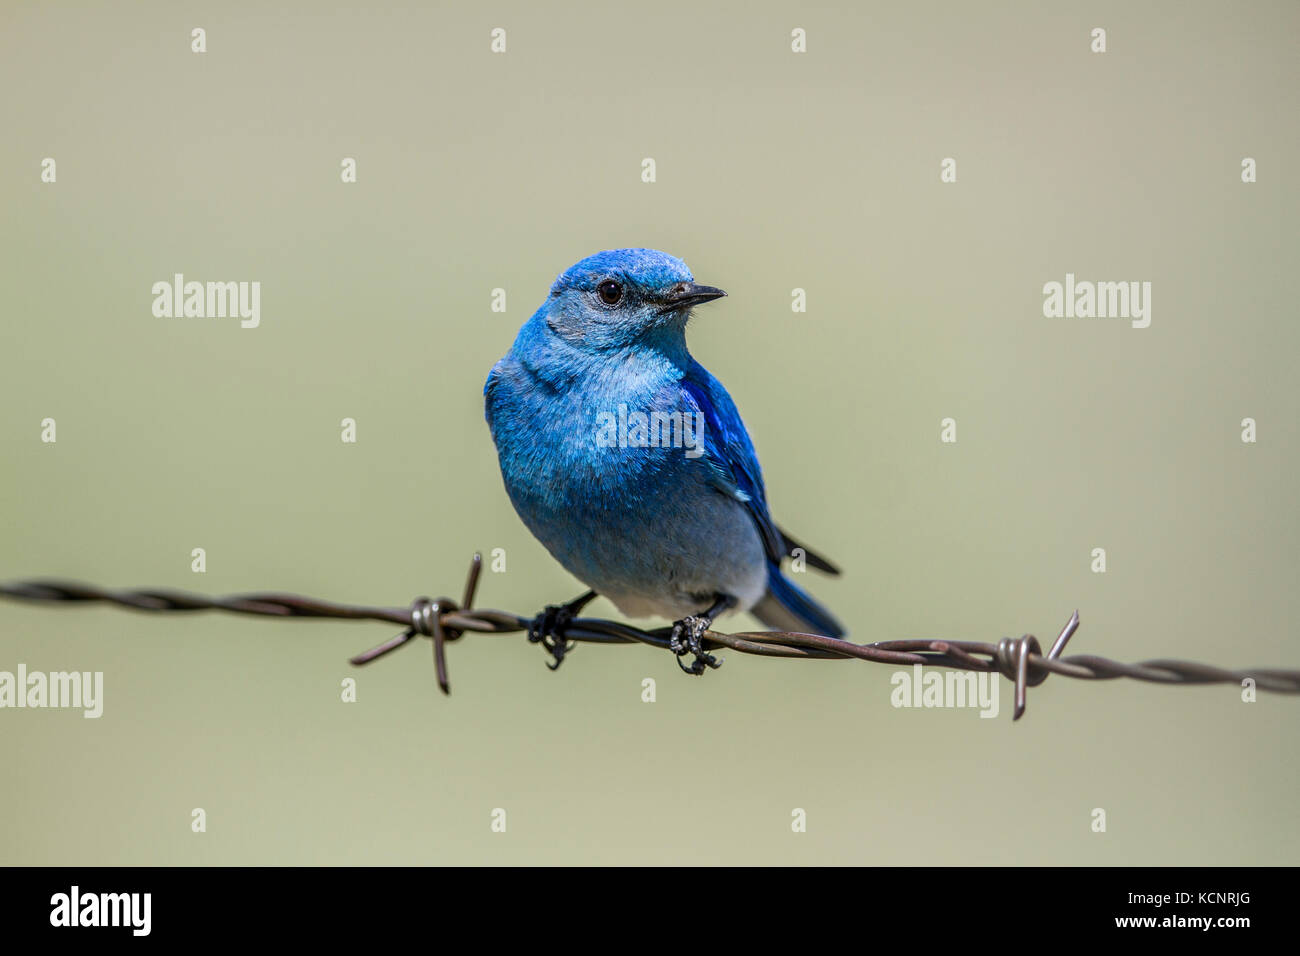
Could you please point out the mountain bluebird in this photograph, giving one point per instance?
(630, 463)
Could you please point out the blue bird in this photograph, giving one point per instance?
(630, 463)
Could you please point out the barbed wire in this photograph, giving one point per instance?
(1021, 660)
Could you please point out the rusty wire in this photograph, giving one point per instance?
(1021, 659)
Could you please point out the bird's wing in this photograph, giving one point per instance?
(729, 454)
(734, 466)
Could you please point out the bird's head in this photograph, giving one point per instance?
(622, 297)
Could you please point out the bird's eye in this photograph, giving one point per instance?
(610, 292)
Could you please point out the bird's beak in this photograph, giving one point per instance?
(684, 295)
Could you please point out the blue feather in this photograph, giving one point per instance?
(797, 602)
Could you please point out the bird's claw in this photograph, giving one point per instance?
(547, 629)
(687, 637)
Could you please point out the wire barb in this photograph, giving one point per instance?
(1020, 660)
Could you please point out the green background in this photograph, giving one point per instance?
(775, 171)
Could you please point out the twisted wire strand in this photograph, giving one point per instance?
(1021, 660)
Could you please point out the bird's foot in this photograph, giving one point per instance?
(548, 627)
(687, 638)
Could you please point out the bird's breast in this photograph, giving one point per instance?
(611, 477)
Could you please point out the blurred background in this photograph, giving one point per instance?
(775, 171)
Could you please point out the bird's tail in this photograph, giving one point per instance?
(787, 607)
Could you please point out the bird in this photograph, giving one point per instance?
(630, 463)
